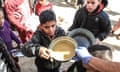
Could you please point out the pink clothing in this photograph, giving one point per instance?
(39, 8)
(18, 11)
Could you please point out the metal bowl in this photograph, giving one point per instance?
(63, 48)
(82, 35)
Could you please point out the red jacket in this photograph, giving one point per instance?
(39, 8)
(18, 11)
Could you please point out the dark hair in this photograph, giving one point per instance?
(101, 51)
(105, 2)
(47, 15)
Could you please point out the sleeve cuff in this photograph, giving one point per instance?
(36, 51)
(86, 60)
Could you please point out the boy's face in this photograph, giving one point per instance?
(1, 18)
(91, 5)
(49, 28)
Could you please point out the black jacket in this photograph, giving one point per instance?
(39, 38)
(6, 60)
(98, 23)
(2, 58)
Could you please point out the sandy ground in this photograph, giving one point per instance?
(65, 14)
(27, 64)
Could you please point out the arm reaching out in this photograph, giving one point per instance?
(96, 63)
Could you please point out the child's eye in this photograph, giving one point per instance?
(92, 2)
(46, 27)
(88, 2)
(53, 25)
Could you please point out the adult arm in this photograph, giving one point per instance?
(103, 65)
(96, 63)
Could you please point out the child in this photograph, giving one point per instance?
(38, 45)
(93, 18)
(42, 5)
(7, 35)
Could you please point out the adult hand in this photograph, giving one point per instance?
(82, 53)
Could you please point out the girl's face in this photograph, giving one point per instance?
(1, 18)
(91, 5)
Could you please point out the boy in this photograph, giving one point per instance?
(38, 45)
(93, 18)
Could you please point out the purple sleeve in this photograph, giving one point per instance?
(15, 38)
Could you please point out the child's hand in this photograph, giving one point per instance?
(44, 53)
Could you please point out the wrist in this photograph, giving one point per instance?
(37, 51)
(86, 59)
(82, 53)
